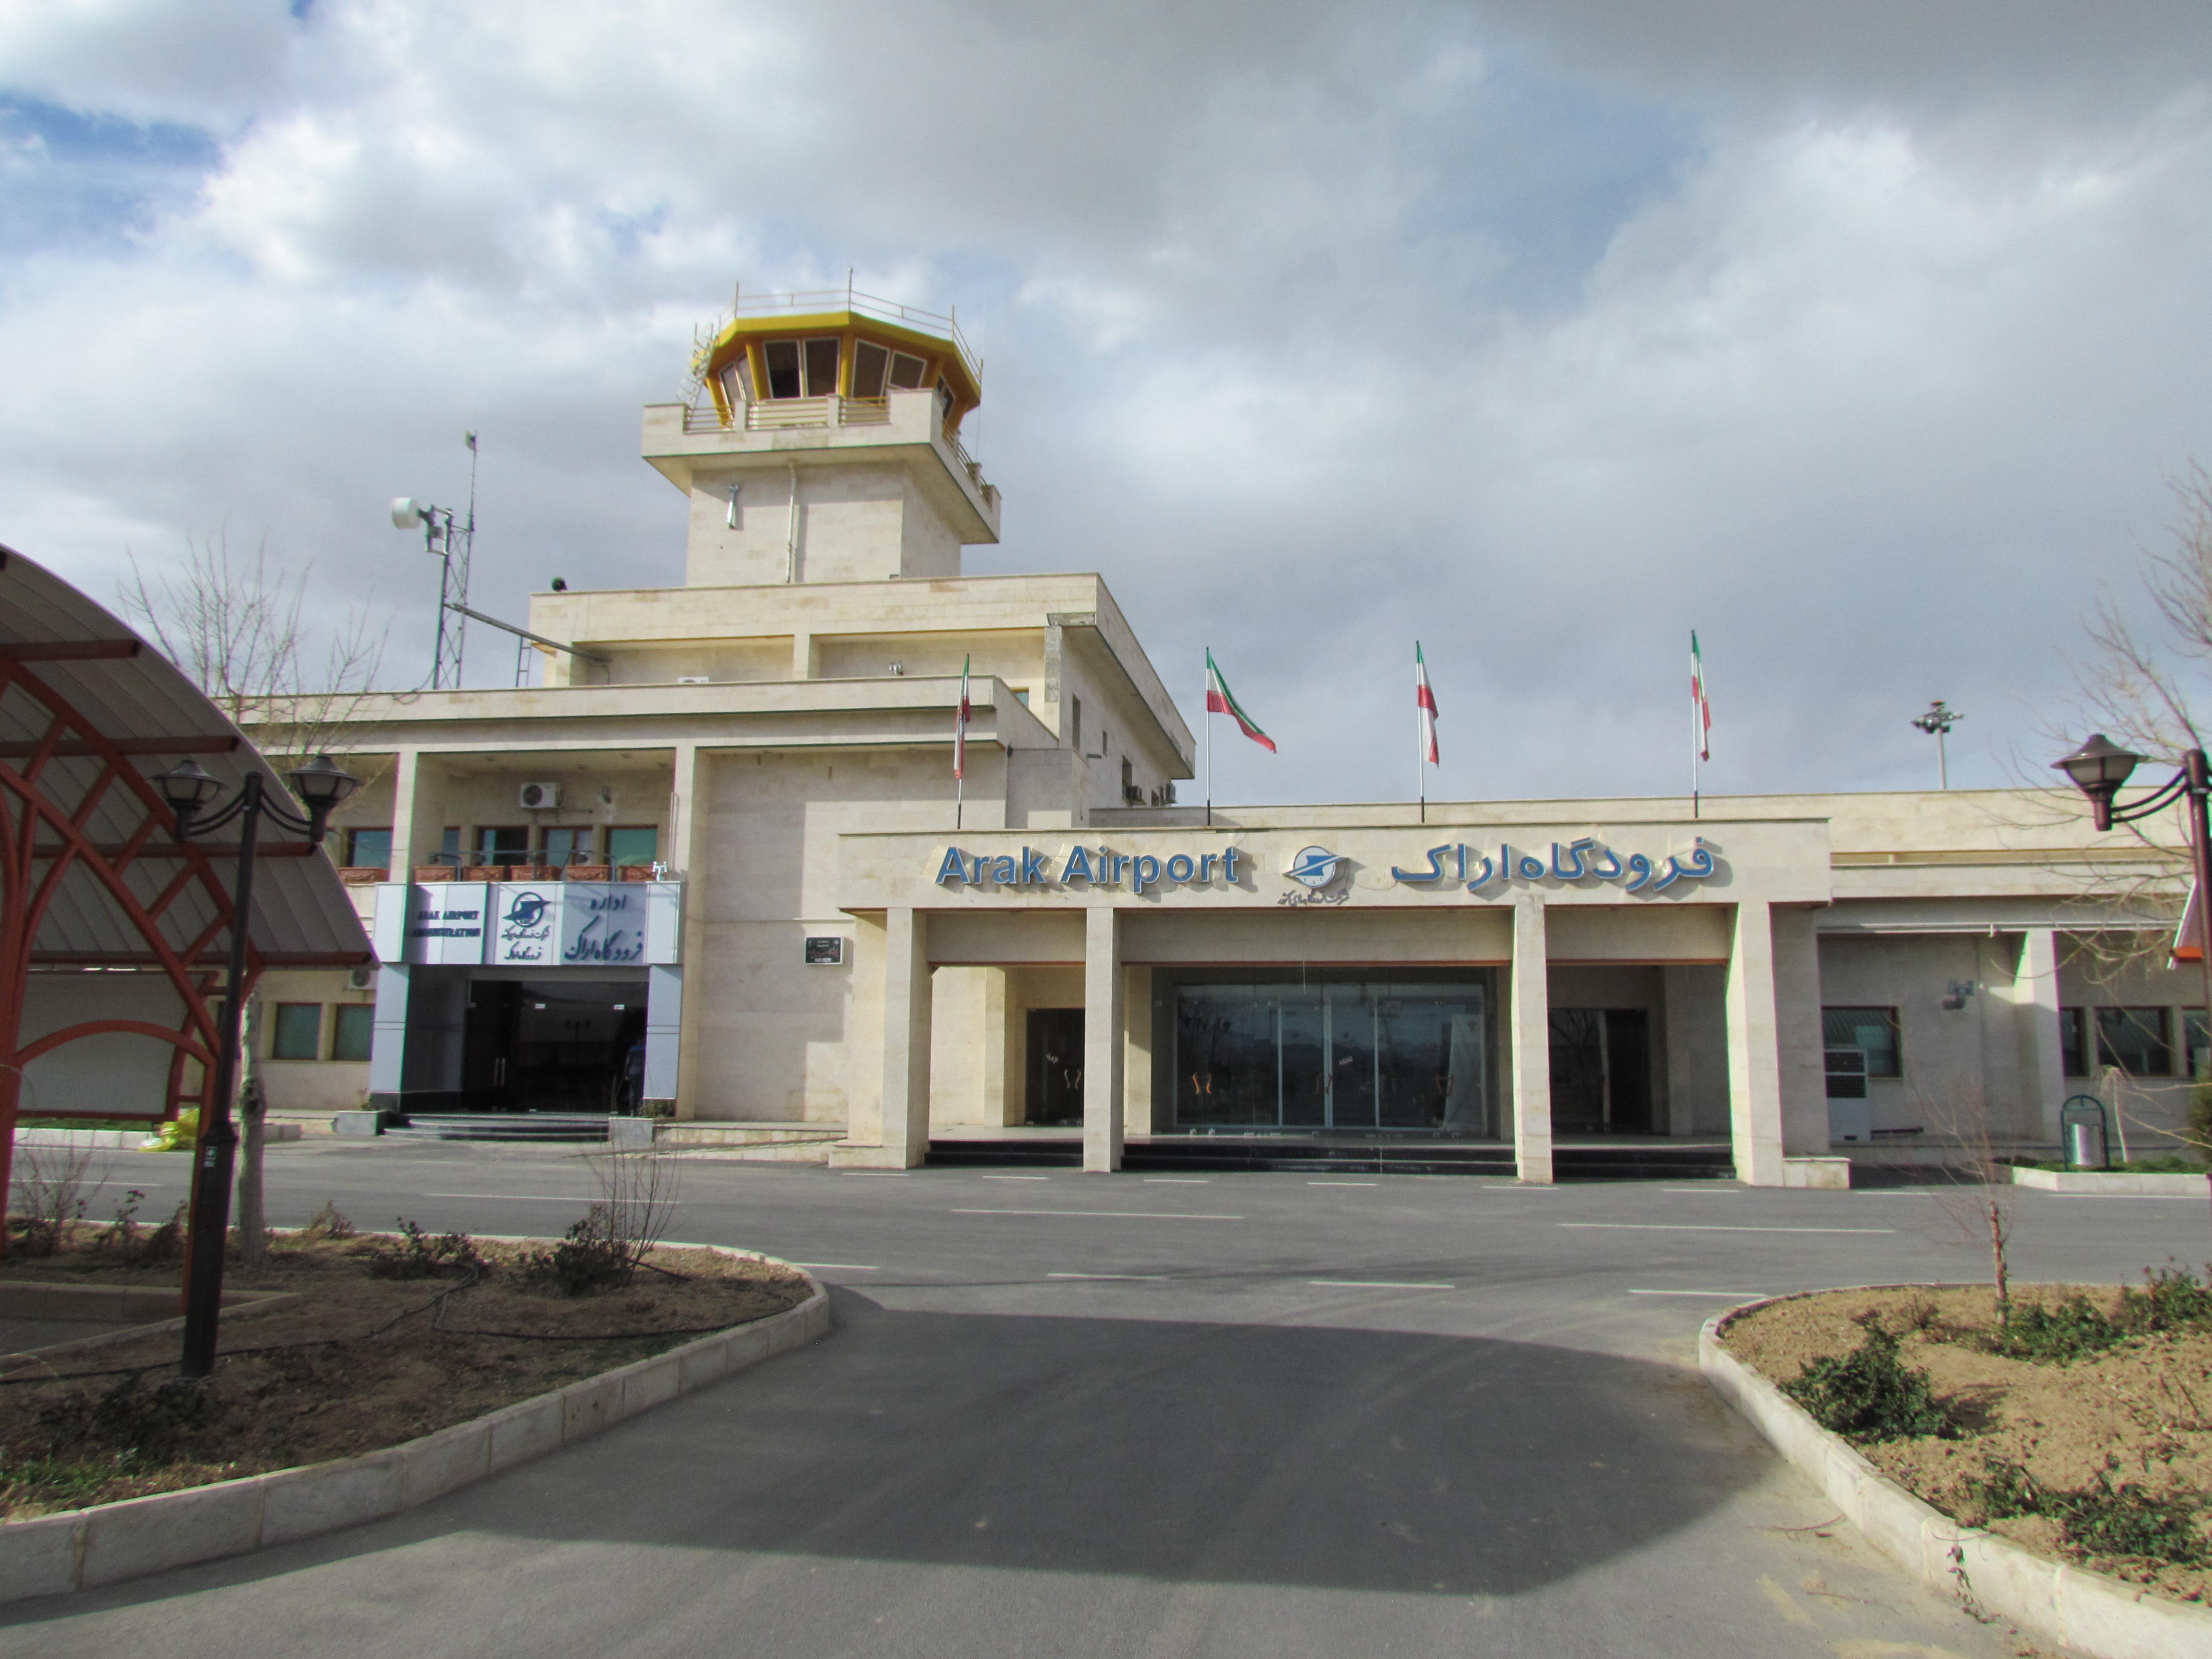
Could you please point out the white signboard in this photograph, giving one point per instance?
(603, 924)
(525, 924)
(446, 922)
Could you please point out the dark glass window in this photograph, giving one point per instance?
(503, 843)
(368, 848)
(871, 364)
(780, 358)
(633, 844)
(567, 844)
(350, 1041)
(2073, 1051)
(298, 1034)
(822, 366)
(908, 372)
(1872, 1031)
(2134, 1039)
(2196, 1048)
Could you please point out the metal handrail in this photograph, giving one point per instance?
(943, 324)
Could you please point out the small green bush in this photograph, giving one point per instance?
(2100, 1518)
(1869, 1394)
(2172, 1299)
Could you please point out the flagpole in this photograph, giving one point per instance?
(1206, 702)
(1697, 746)
(1420, 744)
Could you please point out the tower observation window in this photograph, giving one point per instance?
(822, 366)
(907, 371)
(781, 359)
(871, 365)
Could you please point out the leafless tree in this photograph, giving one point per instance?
(54, 1186)
(239, 630)
(638, 1195)
(1976, 1192)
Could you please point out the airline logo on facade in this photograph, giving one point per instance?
(1315, 867)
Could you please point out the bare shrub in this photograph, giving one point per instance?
(1977, 1192)
(54, 1186)
(329, 1222)
(603, 1251)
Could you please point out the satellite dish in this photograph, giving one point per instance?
(406, 512)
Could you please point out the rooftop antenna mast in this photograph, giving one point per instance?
(450, 541)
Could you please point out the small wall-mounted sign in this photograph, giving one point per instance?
(825, 951)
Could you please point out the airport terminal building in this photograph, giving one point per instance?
(720, 836)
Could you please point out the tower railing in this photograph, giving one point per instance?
(942, 325)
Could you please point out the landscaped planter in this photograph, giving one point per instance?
(2090, 1611)
(108, 1543)
(2113, 1180)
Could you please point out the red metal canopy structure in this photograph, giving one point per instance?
(94, 882)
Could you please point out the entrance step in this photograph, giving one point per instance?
(1616, 1161)
(533, 1126)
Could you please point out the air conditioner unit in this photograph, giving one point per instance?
(361, 978)
(540, 797)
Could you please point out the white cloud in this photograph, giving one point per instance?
(1545, 333)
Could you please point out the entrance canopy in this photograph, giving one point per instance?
(92, 875)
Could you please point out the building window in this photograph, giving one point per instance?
(1075, 723)
(368, 848)
(2196, 1046)
(1872, 1031)
(2134, 1039)
(871, 369)
(801, 369)
(565, 846)
(351, 1037)
(449, 846)
(298, 1031)
(736, 378)
(503, 843)
(633, 845)
(2073, 1051)
(908, 371)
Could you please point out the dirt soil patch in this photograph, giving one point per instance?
(2136, 1414)
(359, 1362)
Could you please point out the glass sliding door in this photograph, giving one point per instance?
(1346, 1054)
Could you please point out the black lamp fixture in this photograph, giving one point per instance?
(2098, 768)
(321, 784)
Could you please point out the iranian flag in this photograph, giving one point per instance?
(1701, 715)
(1219, 700)
(960, 725)
(1425, 701)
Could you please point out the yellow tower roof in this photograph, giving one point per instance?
(789, 348)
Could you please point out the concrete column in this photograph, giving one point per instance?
(387, 1034)
(2036, 992)
(1102, 994)
(1804, 1072)
(418, 812)
(1682, 1072)
(906, 1038)
(691, 780)
(664, 1028)
(1531, 1042)
(1754, 1048)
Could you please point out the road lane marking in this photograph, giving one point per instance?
(527, 1198)
(1017, 1177)
(1733, 1192)
(1695, 1227)
(1344, 1183)
(1376, 1284)
(1145, 1276)
(836, 1267)
(1125, 1215)
(1175, 1180)
(1736, 1296)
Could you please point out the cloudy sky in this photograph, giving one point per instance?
(1864, 338)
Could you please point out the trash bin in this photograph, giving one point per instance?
(2084, 1144)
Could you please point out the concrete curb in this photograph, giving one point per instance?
(2112, 1182)
(84, 1549)
(2086, 1610)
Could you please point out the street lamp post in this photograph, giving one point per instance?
(2098, 768)
(191, 793)
(1937, 723)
